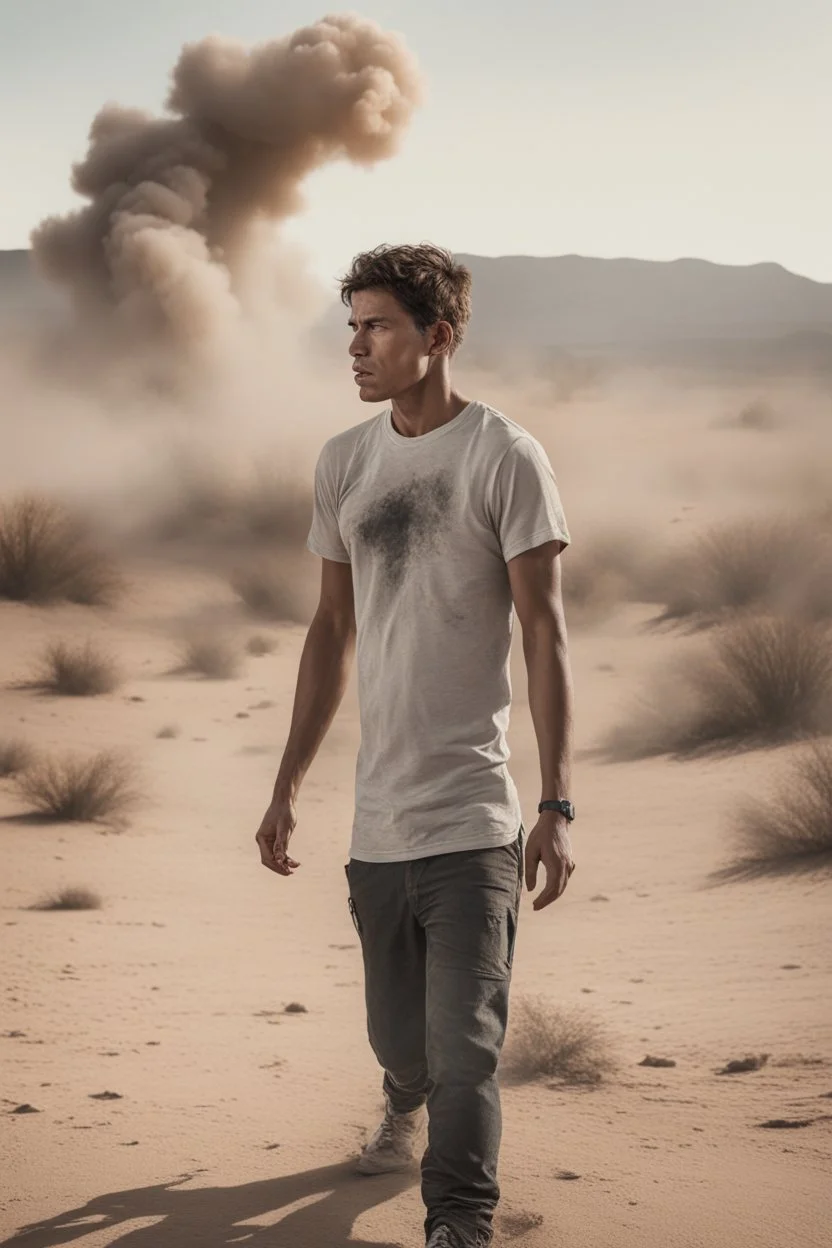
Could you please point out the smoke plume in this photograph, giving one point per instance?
(173, 202)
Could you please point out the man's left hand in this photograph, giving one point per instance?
(549, 843)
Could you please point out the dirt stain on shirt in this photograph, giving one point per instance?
(404, 523)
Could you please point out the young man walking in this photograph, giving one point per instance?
(436, 520)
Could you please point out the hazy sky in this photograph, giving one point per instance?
(603, 127)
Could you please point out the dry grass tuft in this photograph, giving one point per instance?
(210, 655)
(48, 555)
(77, 898)
(76, 789)
(546, 1041)
(77, 671)
(791, 831)
(781, 565)
(15, 756)
(259, 644)
(267, 589)
(764, 680)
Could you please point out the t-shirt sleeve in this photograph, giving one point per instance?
(324, 535)
(527, 507)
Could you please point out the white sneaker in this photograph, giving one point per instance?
(392, 1146)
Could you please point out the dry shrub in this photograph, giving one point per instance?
(15, 756)
(71, 898)
(792, 830)
(167, 733)
(770, 679)
(77, 671)
(548, 1041)
(48, 555)
(75, 789)
(210, 655)
(779, 564)
(267, 588)
(259, 644)
(763, 680)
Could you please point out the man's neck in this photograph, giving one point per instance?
(427, 406)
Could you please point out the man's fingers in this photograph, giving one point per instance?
(557, 877)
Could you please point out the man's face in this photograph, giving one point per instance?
(389, 353)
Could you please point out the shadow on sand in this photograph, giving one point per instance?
(211, 1217)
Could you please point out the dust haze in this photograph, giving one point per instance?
(181, 385)
(181, 343)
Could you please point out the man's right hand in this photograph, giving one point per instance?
(273, 835)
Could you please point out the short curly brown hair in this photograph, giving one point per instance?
(425, 279)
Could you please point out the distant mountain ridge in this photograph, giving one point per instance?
(581, 302)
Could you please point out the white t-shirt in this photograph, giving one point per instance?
(428, 525)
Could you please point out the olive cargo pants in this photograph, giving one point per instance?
(437, 938)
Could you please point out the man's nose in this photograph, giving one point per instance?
(357, 347)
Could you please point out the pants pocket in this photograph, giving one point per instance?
(356, 921)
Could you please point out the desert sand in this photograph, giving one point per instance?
(231, 1120)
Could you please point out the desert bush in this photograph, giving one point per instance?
(167, 732)
(71, 898)
(793, 828)
(548, 1041)
(259, 644)
(15, 756)
(762, 680)
(76, 789)
(771, 678)
(781, 564)
(267, 589)
(211, 655)
(47, 554)
(77, 671)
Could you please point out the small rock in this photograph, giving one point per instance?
(657, 1061)
(25, 1109)
(779, 1123)
(566, 1174)
(106, 1096)
(738, 1065)
(295, 1007)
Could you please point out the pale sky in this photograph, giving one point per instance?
(599, 127)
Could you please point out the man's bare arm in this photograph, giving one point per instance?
(323, 674)
(535, 579)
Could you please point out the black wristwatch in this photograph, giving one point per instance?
(563, 805)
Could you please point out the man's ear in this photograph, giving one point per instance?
(443, 338)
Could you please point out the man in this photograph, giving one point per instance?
(435, 520)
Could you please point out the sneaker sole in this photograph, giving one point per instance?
(365, 1165)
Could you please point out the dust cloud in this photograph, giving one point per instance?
(182, 352)
(172, 201)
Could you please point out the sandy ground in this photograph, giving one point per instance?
(236, 1121)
